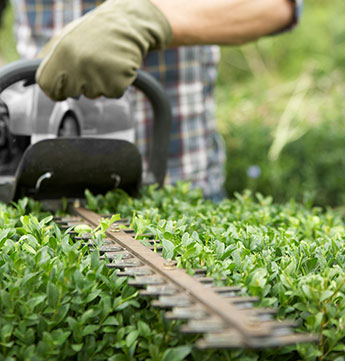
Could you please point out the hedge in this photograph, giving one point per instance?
(59, 302)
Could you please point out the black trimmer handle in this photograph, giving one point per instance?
(158, 159)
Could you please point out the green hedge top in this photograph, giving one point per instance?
(292, 256)
(58, 302)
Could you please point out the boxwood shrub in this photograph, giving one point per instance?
(59, 302)
(290, 255)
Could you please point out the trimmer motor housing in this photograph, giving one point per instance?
(47, 165)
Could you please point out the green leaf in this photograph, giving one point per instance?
(339, 347)
(145, 243)
(3, 236)
(154, 352)
(301, 306)
(6, 332)
(329, 334)
(60, 337)
(132, 349)
(122, 306)
(325, 295)
(110, 321)
(168, 249)
(95, 259)
(83, 228)
(87, 315)
(78, 279)
(28, 248)
(118, 357)
(45, 221)
(114, 218)
(62, 312)
(106, 223)
(144, 329)
(7, 345)
(307, 292)
(131, 338)
(109, 329)
(5, 298)
(77, 347)
(177, 353)
(27, 278)
(53, 294)
(25, 221)
(185, 239)
(72, 323)
(92, 295)
(90, 330)
(35, 301)
(259, 278)
(191, 252)
(219, 249)
(312, 262)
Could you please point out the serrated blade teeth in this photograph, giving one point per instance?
(117, 255)
(179, 300)
(231, 339)
(112, 248)
(133, 262)
(142, 281)
(187, 313)
(227, 289)
(164, 290)
(136, 271)
(211, 324)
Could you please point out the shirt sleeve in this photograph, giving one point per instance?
(297, 16)
(298, 11)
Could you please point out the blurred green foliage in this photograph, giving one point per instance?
(280, 108)
(7, 43)
(309, 169)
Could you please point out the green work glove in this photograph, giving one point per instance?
(100, 53)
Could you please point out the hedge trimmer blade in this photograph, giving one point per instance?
(225, 317)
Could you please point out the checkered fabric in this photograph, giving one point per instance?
(36, 21)
(196, 151)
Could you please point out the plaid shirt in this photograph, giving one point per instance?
(196, 151)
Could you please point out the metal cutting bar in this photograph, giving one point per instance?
(177, 290)
(211, 300)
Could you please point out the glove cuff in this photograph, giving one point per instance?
(166, 36)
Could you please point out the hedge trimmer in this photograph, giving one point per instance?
(53, 168)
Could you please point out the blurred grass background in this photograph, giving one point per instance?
(280, 108)
(7, 44)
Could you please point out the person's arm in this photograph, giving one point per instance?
(100, 53)
(224, 21)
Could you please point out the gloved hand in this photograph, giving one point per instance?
(100, 53)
